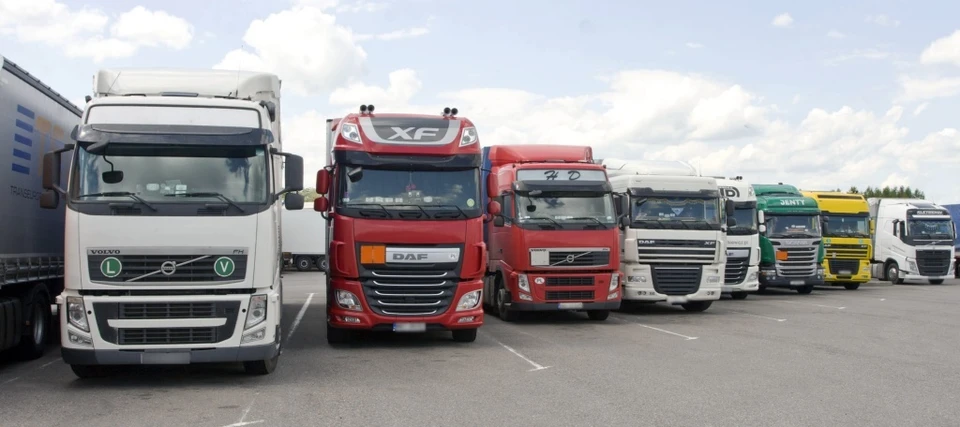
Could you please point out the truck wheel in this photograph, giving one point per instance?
(739, 295)
(9, 325)
(337, 335)
(88, 371)
(503, 297)
(697, 306)
(803, 290)
(465, 335)
(261, 367)
(851, 286)
(598, 315)
(322, 263)
(303, 263)
(37, 311)
(893, 274)
(936, 281)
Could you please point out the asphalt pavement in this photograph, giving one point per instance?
(882, 355)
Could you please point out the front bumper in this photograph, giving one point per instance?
(750, 284)
(775, 281)
(638, 286)
(366, 319)
(75, 356)
(553, 306)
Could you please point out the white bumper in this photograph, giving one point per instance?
(750, 284)
(638, 285)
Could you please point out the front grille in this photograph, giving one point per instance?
(159, 336)
(410, 291)
(676, 280)
(801, 261)
(570, 296)
(579, 259)
(846, 251)
(736, 270)
(933, 262)
(161, 310)
(570, 281)
(679, 251)
(844, 267)
(147, 268)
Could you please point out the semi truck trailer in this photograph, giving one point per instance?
(33, 118)
(913, 240)
(791, 243)
(555, 245)
(304, 243)
(846, 237)
(172, 220)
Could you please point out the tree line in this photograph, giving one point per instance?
(904, 192)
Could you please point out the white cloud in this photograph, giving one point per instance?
(693, 45)
(362, 6)
(304, 46)
(782, 20)
(396, 35)
(945, 50)
(918, 89)
(872, 54)
(83, 32)
(920, 109)
(882, 20)
(834, 34)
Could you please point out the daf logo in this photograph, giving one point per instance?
(409, 257)
(404, 134)
(646, 242)
(168, 268)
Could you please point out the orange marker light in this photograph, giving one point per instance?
(370, 254)
(782, 255)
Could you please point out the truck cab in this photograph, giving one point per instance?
(913, 240)
(671, 232)
(791, 242)
(846, 237)
(742, 238)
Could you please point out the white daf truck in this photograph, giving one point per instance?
(913, 240)
(743, 238)
(672, 238)
(172, 228)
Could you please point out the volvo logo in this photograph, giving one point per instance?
(168, 268)
(570, 258)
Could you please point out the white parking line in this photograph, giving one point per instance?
(296, 321)
(757, 315)
(810, 303)
(536, 366)
(688, 338)
(30, 371)
(247, 412)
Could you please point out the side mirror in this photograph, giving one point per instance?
(323, 181)
(321, 204)
(731, 221)
(293, 173)
(50, 198)
(293, 201)
(491, 186)
(498, 221)
(761, 218)
(624, 221)
(493, 207)
(762, 229)
(728, 206)
(903, 230)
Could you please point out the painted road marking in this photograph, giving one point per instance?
(296, 321)
(757, 315)
(536, 366)
(810, 303)
(688, 338)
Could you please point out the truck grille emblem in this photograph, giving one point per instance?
(168, 268)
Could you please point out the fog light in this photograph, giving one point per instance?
(525, 297)
(613, 295)
(256, 335)
(79, 339)
(351, 319)
(713, 279)
(467, 319)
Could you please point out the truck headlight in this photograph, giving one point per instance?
(257, 312)
(912, 265)
(752, 276)
(469, 136)
(347, 300)
(77, 314)
(350, 132)
(614, 281)
(469, 301)
(523, 283)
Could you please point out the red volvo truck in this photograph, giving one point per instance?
(555, 245)
(401, 196)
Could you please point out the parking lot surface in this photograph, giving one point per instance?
(881, 355)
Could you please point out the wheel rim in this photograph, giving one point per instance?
(39, 324)
(892, 273)
(304, 264)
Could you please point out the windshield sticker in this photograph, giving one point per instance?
(470, 203)
(153, 187)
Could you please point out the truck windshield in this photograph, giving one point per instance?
(930, 229)
(160, 173)
(566, 207)
(420, 191)
(698, 210)
(746, 222)
(793, 226)
(846, 226)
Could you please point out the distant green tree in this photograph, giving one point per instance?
(894, 192)
(853, 190)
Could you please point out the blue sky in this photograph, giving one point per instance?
(718, 83)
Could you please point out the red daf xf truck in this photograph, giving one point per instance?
(555, 245)
(401, 196)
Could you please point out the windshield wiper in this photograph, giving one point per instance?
(650, 221)
(385, 211)
(120, 194)
(452, 206)
(546, 218)
(208, 194)
(416, 206)
(591, 218)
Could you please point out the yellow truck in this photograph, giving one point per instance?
(846, 237)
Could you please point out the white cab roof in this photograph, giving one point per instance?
(212, 83)
(618, 167)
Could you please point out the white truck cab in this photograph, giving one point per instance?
(172, 220)
(672, 232)
(743, 238)
(912, 240)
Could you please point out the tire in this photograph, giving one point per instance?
(697, 306)
(936, 281)
(851, 286)
(893, 273)
(88, 371)
(739, 295)
(34, 341)
(322, 264)
(804, 290)
(303, 263)
(465, 335)
(262, 367)
(598, 315)
(337, 335)
(502, 298)
(9, 323)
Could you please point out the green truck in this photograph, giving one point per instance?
(791, 243)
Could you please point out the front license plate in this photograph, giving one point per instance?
(178, 358)
(570, 305)
(846, 272)
(796, 282)
(676, 300)
(409, 327)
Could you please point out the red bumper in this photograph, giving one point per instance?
(368, 320)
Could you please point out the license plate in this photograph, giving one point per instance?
(409, 327)
(676, 300)
(796, 282)
(847, 272)
(570, 305)
(178, 358)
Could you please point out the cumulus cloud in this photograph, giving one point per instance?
(945, 50)
(882, 20)
(922, 88)
(87, 32)
(396, 35)
(782, 20)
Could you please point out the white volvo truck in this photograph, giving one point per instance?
(913, 240)
(743, 238)
(672, 238)
(172, 228)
